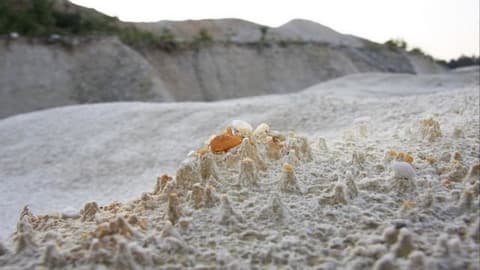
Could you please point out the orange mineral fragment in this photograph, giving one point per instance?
(225, 141)
(407, 157)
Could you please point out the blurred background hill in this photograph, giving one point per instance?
(55, 53)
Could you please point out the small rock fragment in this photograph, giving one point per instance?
(187, 174)
(3, 249)
(427, 199)
(274, 210)
(386, 262)
(404, 245)
(248, 175)
(211, 199)
(207, 167)
(417, 261)
(249, 150)
(322, 144)
(174, 210)
(161, 183)
(358, 159)
(116, 226)
(466, 200)
(441, 246)
(225, 141)
(352, 190)
(123, 259)
(146, 201)
(274, 148)
(52, 258)
(406, 157)
(261, 133)
(292, 158)
(403, 169)
(184, 223)
(170, 231)
(390, 235)
(473, 175)
(301, 146)
(430, 129)
(474, 231)
(89, 210)
(456, 171)
(288, 181)
(197, 196)
(241, 128)
(227, 215)
(23, 238)
(337, 197)
(27, 216)
(96, 254)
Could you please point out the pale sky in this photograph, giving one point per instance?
(443, 28)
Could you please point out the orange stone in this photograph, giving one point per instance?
(225, 141)
(405, 157)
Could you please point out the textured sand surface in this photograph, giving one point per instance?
(354, 203)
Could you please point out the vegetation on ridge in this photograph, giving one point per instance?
(462, 61)
(43, 18)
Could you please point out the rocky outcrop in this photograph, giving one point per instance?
(35, 75)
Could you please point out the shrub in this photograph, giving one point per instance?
(464, 61)
(33, 18)
(417, 50)
(396, 44)
(263, 32)
(167, 40)
(136, 38)
(40, 18)
(202, 37)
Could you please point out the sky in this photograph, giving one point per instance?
(444, 29)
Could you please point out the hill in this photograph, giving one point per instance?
(75, 55)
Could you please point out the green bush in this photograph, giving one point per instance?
(33, 18)
(263, 33)
(396, 44)
(167, 40)
(202, 37)
(39, 18)
(464, 61)
(417, 50)
(136, 38)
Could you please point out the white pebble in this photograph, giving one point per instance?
(403, 169)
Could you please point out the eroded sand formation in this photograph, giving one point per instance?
(265, 198)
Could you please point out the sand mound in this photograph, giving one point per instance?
(244, 31)
(310, 31)
(220, 29)
(349, 181)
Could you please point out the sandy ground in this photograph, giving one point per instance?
(56, 160)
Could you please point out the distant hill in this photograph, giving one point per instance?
(67, 54)
(237, 30)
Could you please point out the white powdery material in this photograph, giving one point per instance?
(403, 169)
(344, 215)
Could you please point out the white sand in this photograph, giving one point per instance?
(61, 158)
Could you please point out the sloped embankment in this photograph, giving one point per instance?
(36, 75)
